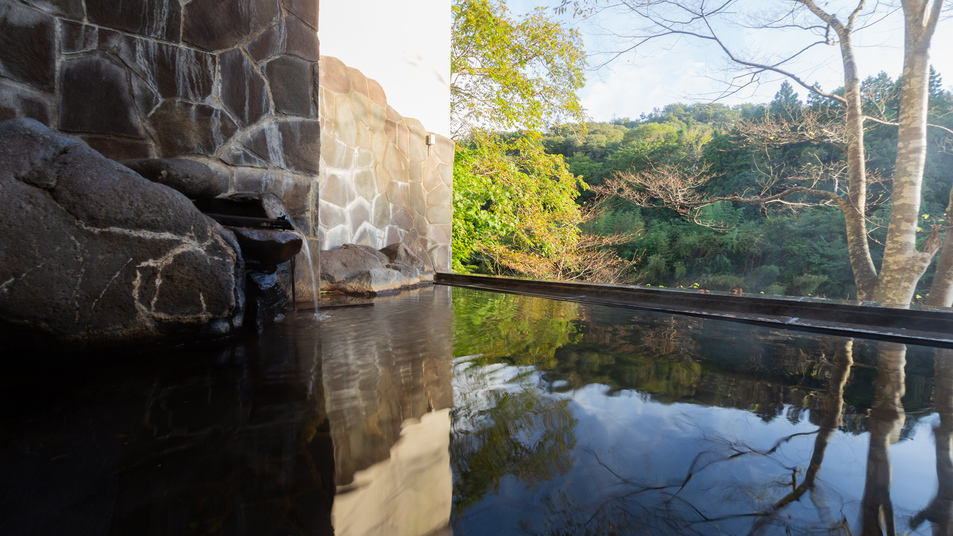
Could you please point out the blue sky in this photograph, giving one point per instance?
(683, 71)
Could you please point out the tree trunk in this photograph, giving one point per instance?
(941, 291)
(865, 274)
(903, 265)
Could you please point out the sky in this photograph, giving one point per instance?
(682, 71)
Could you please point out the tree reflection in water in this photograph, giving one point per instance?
(885, 423)
(498, 432)
(674, 509)
(939, 511)
(830, 420)
(641, 423)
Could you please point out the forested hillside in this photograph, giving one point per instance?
(794, 245)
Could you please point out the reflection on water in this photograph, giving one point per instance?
(229, 441)
(940, 510)
(886, 421)
(673, 425)
(387, 374)
(457, 411)
(407, 494)
(498, 432)
(336, 427)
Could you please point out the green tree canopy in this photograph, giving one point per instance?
(515, 207)
(909, 250)
(512, 73)
(512, 201)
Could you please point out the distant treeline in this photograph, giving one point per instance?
(794, 248)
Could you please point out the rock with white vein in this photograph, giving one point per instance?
(92, 254)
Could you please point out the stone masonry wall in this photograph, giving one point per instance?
(380, 181)
(231, 83)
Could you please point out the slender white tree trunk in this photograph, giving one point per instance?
(903, 264)
(941, 291)
(865, 274)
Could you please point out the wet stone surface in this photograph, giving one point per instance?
(267, 247)
(292, 144)
(244, 91)
(185, 128)
(266, 298)
(174, 72)
(291, 36)
(215, 25)
(151, 18)
(193, 179)
(290, 85)
(99, 99)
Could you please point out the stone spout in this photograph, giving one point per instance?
(267, 247)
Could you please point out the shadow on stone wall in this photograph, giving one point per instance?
(231, 84)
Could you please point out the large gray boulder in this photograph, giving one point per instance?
(92, 253)
(405, 261)
(373, 281)
(358, 269)
(337, 265)
(401, 255)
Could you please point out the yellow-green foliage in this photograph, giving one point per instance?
(514, 203)
(512, 72)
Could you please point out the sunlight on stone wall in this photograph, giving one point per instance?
(380, 182)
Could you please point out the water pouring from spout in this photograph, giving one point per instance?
(311, 271)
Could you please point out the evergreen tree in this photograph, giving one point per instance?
(786, 104)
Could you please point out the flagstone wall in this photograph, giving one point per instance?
(236, 85)
(232, 84)
(384, 178)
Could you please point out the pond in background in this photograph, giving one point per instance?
(468, 412)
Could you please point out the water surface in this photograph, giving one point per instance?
(468, 412)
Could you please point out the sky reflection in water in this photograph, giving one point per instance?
(641, 422)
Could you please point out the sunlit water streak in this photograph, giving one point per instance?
(315, 291)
